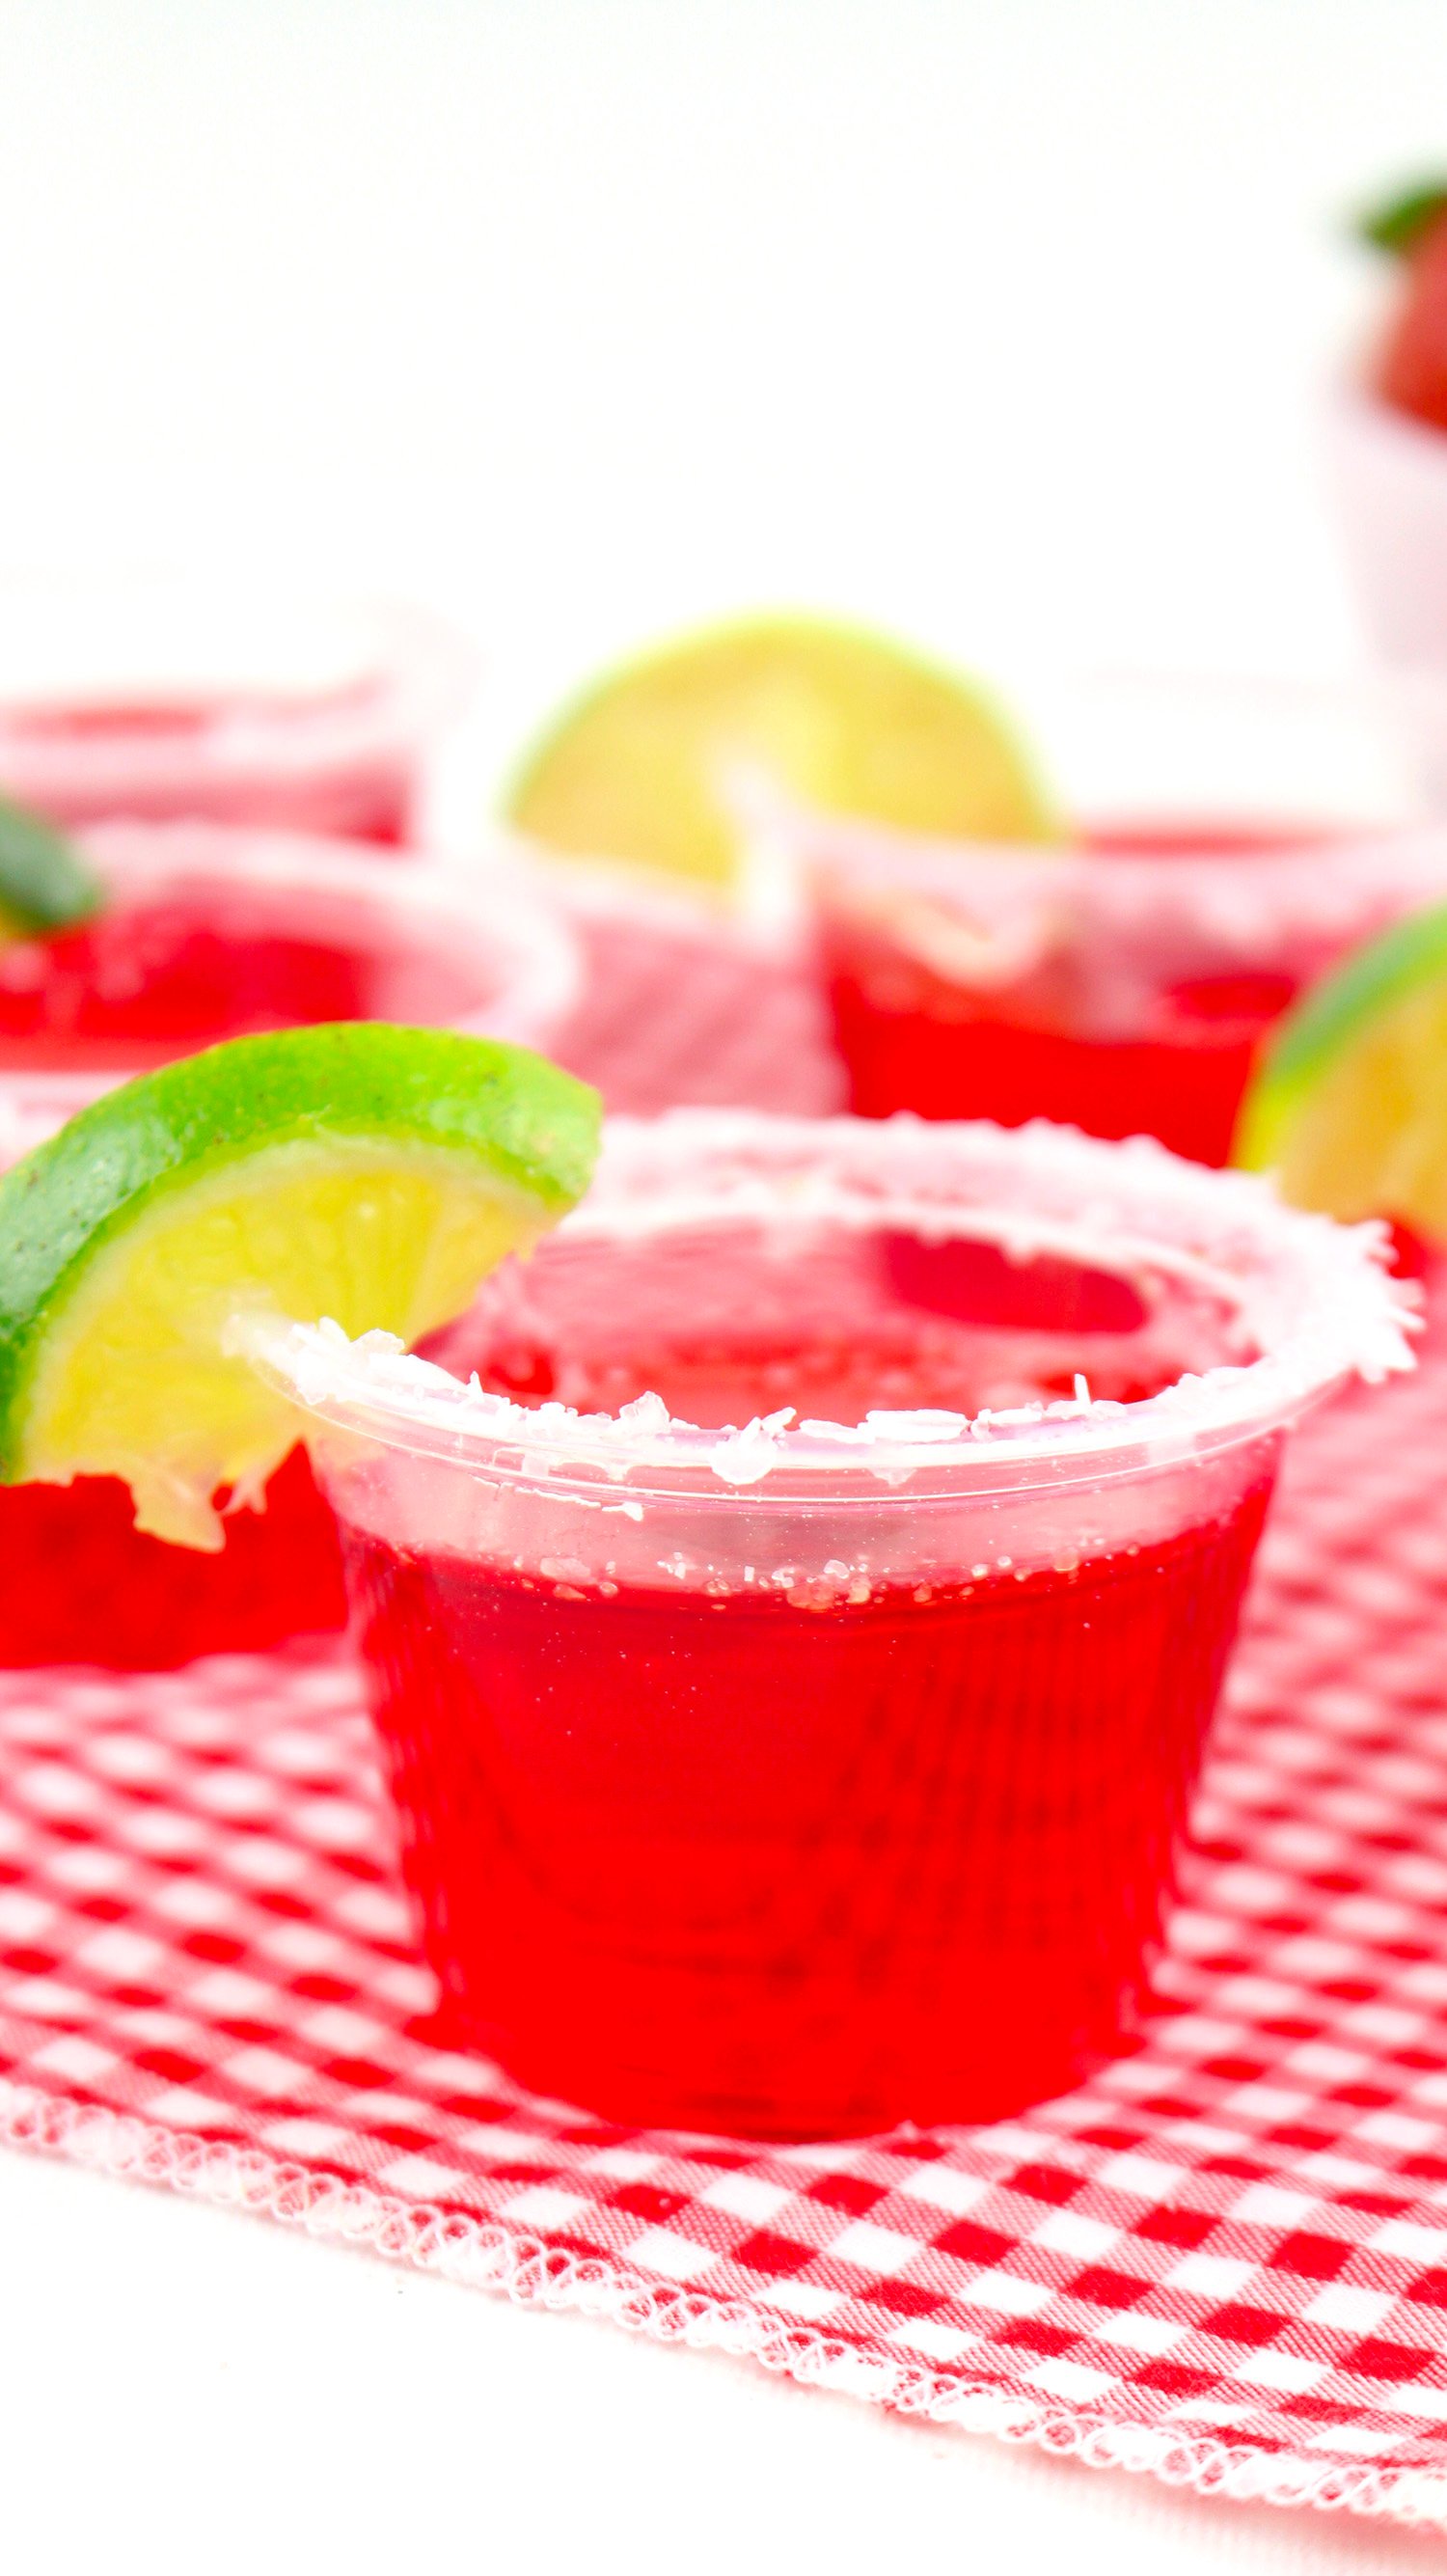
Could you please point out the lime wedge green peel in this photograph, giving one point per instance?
(1399, 222)
(45, 884)
(1349, 1106)
(369, 1173)
(637, 769)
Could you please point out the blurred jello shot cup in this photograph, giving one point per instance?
(248, 706)
(203, 932)
(1226, 842)
(795, 1602)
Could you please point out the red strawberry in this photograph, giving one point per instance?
(1411, 366)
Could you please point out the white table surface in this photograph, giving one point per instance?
(1003, 321)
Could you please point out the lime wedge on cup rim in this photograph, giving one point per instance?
(1349, 1105)
(636, 769)
(361, 1171)
(45, 884)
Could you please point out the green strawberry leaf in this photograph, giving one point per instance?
(1398, 223)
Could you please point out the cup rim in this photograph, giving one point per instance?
(1337, 1312)
(1280, 879)
(413, 679)
(981, 914)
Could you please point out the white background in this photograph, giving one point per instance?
(1006, 322)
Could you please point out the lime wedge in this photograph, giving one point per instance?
(637, 770)
(370, 1173)
(45, 884)
(1349, 1105)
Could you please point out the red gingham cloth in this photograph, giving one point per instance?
(1225, 2261)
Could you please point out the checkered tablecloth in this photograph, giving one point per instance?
(1224, 2262)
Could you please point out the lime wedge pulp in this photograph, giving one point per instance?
(45, 884)
(365, 1172)
(637, 769)
(1349, 1105)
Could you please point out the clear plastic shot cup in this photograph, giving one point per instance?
(1391, 476)
(794, 1602)
(210, 931)
(249, 706)
(1222, 845)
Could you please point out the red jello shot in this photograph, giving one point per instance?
(1125, 980)
(292, 713)
(829, 1770)
(209, 932)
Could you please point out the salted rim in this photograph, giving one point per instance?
(406, 672)
(534, 951)
(1315, 1298)
(1241, 901)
